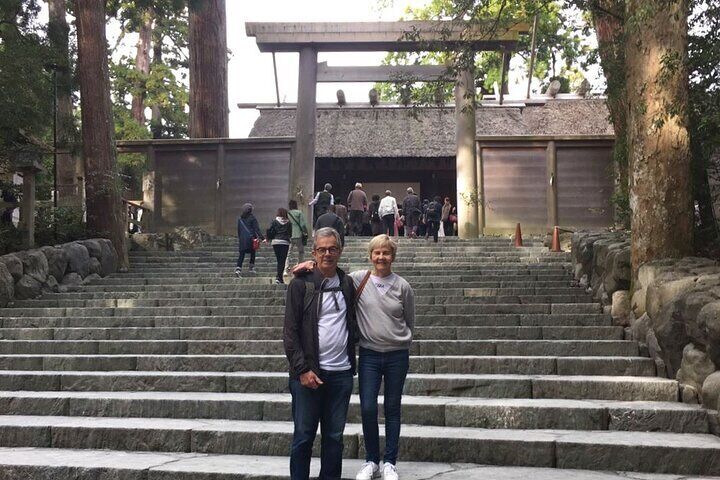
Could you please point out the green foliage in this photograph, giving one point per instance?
(25, 86)
(562, 50)
(704, 105)
(52, 226)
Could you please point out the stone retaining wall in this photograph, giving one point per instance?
(673, 311)
(62, 268)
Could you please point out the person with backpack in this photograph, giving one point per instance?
(319, 336)
(411, 208)
(279, 233)
(322, 201)
(249, 236)
(299, 236)
(433, 215)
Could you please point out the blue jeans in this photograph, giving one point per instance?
(327, 405)
(373, 367)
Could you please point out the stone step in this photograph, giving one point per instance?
(271, 333)
(653, 452)
(468, 364)
(61, 464)
(599, 387)
(261, 301)
(517, 348)
(264, 293)
(480, 309)
(531, 414)
(269, 287)
(469, 320)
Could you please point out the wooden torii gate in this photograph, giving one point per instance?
(310, 38)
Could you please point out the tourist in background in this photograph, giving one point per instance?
(453, 218)
(357, 205)
(445, 217)
(433, 214)
(299, 236)
(342, 212)
(412, 210)
(248, 237)
(322, 365)
(322, 201)
(388, 211)
(386, 318)
(375, 220)
(330, 219)
(279, 234)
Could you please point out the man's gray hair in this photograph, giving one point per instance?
(327, 232)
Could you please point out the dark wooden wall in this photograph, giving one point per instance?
(545, 181)
(205, 182)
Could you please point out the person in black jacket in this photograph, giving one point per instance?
(248, 230)
(433, 215)
(319, 335)
(330, 219)
(279, 234)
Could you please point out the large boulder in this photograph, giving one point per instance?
(93, 277)
(711, 391)
(78, 259)
(51, 285)
(708, 321)
(35, 265)
(14, 265)
(27, 287)
(147, 242)
(7, 286)
(696, 366)
(70, 282)
(620, 310)
(57, 261)
(108, 258)
(662, 293)
(95, 267)
(93, 247)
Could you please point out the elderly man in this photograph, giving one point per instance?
(319, 336)
(412, 209)
(357, 205)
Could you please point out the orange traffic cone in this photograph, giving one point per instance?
(555, 247)
(518, 236)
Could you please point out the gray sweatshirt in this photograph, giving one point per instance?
(386, 321)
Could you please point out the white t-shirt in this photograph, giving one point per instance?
(332, 329)
(388, 206)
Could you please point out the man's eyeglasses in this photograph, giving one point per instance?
(330, 250)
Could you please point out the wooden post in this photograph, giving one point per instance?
(149, 187)
(480, 188)
(27, 208)
(465, 155)
(219, 194)
(503, 72)
(552, 193)
(302, 166)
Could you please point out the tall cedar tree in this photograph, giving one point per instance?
(208, 69)
(658, 137)
(104, 208)
(70, 170)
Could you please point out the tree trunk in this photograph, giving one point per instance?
(658, 139)
(104, 208)
(208, 70)
(608, 18)
(70, 170)
(142, 66)
(156, 118)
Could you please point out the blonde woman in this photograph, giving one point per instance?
(386, 318)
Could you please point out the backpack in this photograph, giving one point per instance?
(432, 210)
(374, 215)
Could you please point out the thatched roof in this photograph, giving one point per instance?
(430, 132)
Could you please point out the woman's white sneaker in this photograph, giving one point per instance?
(389, 472)
(368, 471)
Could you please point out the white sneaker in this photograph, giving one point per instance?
(368, 471)
(389, 472)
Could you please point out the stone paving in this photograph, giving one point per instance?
(176, 370)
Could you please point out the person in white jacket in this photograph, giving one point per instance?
(388, 211)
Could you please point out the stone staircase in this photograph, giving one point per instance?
(176, 370)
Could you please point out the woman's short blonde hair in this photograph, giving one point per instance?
(381, 241)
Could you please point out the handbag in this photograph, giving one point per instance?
(256, 241)
(452, 218)
(304, 231)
